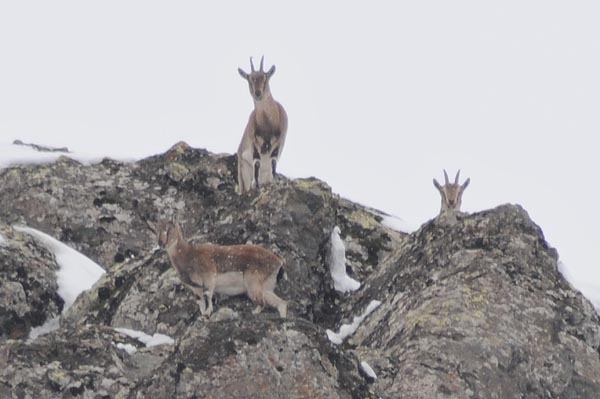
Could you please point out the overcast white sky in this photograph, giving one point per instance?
(381, 96)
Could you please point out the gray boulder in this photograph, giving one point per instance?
(28, 289)
(478, 309)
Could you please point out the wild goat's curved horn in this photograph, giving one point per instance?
(457, 176)
(446, 181)
(252, 65)
(261, 63)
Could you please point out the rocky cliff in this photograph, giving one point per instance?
(473, 308)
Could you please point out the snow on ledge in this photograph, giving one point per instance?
(397, 224)
(393, 222)
(347, 330)
(368, 370)
(337, 264)
(15, 155)
(77, 272)
(148, 340)
(3, 241)
(130, 349)
(49, 326)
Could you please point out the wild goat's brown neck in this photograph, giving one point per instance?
(266, 111)
(176, 245)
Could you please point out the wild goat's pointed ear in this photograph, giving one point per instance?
(437, 185)
(271, 71)
(242, 73)
(465, 184)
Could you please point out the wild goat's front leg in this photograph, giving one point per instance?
(274, 160)
(209, 308)
(206, 308)
(256, 172)
(210, 282)
(246, 167)
(199, 292)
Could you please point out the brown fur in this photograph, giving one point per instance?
(225, 269)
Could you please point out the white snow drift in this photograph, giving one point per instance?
(368, 370)
(347, 330)
(337, 264)
(148, 340)
(76, 274)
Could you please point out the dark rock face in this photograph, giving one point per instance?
(28, 289)
(471, 308)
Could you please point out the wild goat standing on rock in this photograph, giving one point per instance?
(224, 269)
(264, 136)
(451, 193)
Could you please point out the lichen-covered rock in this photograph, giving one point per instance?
(254, 357)
(478, 309)
(103, 210)
(28, 289)
(472, 306)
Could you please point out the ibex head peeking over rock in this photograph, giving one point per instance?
(264, 135)
(451, 193)
(224, 269)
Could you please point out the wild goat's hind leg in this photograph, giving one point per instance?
(273, 300)
(265, 175)
(254, 288)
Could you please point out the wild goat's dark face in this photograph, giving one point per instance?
(165, 230)
(258, 81)
(162, 232)
(452, 194)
